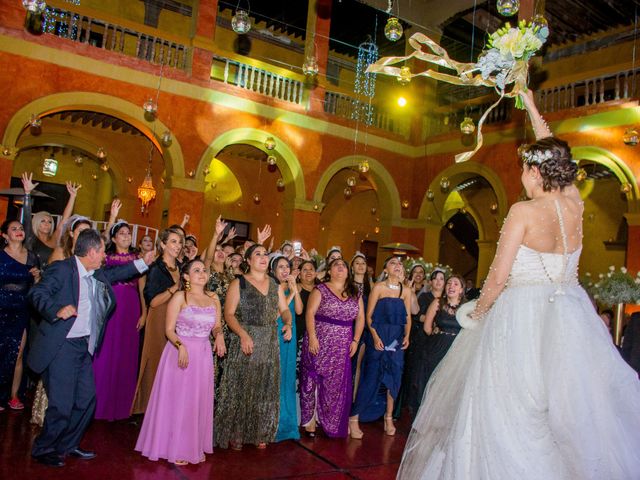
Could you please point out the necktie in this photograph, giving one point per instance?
(91, 295)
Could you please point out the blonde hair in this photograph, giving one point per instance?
(37, 218)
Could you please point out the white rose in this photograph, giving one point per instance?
(612, 268)
(623, 269)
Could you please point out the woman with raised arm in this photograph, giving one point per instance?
(532, 387)
(41, 238)
(19, 269)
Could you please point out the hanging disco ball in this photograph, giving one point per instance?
(405, 75)
(241, 23)
(631, 137)
(256, 198)
(34, 6)
(347, 192)
(541, 24)
(150, 108)
(363, 166)
(270, 143)
(351, 181)
(467, 127)
(444, 183)
(430, 195)
(166, 138)
(310, 66)
(508, 8)
(104, 167)
(393, 29)
(280, 183)
(101, 152)
(272, 160)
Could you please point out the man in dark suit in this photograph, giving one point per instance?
(631, 342)
(75, 300)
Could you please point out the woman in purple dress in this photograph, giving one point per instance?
(179, 417)
(326, 384)
(115, 365)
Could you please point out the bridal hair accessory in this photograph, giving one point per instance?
(274, 260)
(358, 254)
(504, 63)
(463, 316)
(113, 228)
(335, 248)
(537, 156)
(79, 218)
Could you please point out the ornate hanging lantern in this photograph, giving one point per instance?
(146, 191)
(351, 181)
(166, 138)
(393, 29)
(241, 23)
(310, 66)
(150, 109)
(508, 8)
(405, 75)
(270, 143)
(272, 160)
(363, 166)
(631, 137)
(467, 127)
(444, 183)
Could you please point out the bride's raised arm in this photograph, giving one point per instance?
(540, 127)
(510, 240)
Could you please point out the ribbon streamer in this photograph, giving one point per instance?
(466, 74)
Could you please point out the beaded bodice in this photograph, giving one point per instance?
(532, 267)
(195, 321)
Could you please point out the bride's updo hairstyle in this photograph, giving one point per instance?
(552, 157)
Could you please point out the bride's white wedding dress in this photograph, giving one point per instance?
(537, 392)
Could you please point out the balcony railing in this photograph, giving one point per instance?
(593, 91)
(116, 38)
(348, 107)
(137, 231)
(257, 80)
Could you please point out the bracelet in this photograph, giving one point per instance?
(354, 340)
(177, 344)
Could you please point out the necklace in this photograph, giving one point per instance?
(392, 286)
(172, 269)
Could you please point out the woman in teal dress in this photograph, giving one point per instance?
(280, 269)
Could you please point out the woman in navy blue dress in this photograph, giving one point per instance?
(19, 268)
(389, 323)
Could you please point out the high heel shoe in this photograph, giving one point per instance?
(389, 427)
(354, 429)
(310, 429)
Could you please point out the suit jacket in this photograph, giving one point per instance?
(631, 342)
(59, 287)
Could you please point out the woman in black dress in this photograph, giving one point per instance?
(19, 268)
(415, 375)
(441, 324)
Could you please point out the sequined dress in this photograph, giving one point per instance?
(325, 379)
(247, 409)
(15, 281)
(536, 391)
(179, 418)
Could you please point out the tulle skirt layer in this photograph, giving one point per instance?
(537, 392)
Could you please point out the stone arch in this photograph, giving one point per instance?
(617, 166)
(456, 174)
(389, 196)
(98, 102)
(292, 174)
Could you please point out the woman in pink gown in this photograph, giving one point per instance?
(178, 423)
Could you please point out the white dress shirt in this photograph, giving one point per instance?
(82, 325)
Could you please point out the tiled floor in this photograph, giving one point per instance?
(377, 456)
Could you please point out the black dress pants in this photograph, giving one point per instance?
(71, 390)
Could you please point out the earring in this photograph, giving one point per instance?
(187, 285)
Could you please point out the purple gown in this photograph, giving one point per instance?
(178, 423)
(115, 364)
(326, 385)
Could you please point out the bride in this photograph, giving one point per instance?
(535, 389)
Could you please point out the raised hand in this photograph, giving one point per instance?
(185, 220)
(72, 188)
(220, 225)
(231, 235)
(264, 234)
(116, 205)
(149, 256)
(27, 184)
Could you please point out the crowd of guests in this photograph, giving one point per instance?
(283, 342)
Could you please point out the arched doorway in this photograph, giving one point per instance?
(464, 207)
(248, 182)
(361, 219)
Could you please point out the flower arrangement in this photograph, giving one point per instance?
(616, 286)
(507, 46)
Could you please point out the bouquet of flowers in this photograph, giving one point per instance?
(616, 286)
(510, 49)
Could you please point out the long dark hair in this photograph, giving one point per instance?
(4, 228)
(443, 300)
(273, 265)
(111, 248)
(350, 289)
(366, 280)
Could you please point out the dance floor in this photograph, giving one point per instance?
(376, 456)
